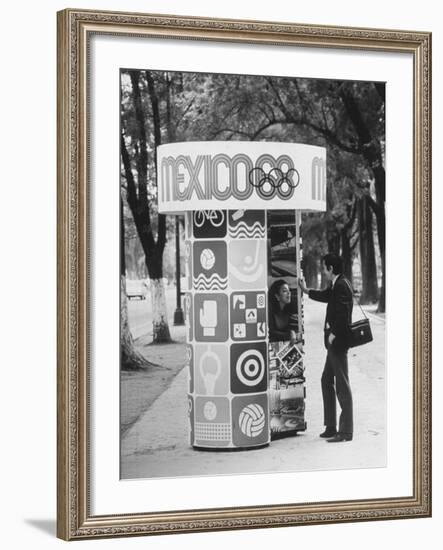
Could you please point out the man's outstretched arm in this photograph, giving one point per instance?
(317, 295)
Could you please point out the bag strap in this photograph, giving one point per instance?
(353, 299)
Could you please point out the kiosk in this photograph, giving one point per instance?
(242, 204)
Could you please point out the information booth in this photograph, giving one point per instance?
(242, 203)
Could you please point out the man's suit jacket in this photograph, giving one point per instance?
(338, 312)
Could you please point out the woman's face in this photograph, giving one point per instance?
(284, 295)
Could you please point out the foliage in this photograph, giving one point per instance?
(344, 116)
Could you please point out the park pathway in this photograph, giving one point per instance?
(157, 444)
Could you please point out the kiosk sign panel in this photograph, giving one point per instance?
(216, 175)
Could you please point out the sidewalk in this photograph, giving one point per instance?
(157, 444)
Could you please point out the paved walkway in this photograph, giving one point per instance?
(157, 445)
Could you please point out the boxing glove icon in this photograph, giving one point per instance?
(208, 317)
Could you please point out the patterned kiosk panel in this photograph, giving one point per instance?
(227, 339)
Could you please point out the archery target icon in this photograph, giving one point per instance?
(250, 367)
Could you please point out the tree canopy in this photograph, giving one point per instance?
(346, 117)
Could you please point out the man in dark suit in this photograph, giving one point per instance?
(335, 377)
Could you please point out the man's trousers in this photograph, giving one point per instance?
(335, 383)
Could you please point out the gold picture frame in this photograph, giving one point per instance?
(75, 28)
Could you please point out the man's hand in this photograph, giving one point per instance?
(302, 285)
(292, 337)
(331, 338)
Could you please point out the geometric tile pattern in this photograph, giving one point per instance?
(226, 310)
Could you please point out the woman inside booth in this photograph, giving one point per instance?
(283, 317)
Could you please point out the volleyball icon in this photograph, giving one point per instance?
(252, 420)
(207, 259)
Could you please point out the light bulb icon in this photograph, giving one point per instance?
(210, 368)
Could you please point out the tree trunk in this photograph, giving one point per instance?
(346, 253)
(160, 327)
(130, 358)
(333, 239)
(310, 271)
(155, 260)
(381, 225)
(369, 293)
(324, 281)
(371, 151)
(139, 205)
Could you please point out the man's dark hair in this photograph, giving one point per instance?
(334, 261)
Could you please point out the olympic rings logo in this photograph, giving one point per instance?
(274, 181)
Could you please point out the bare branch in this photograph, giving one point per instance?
(283, 107)
(231, 131)
(374, 206)
(263, 128)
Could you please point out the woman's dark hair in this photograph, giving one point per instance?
(273, 291)
(334, 261)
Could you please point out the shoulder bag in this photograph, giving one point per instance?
(359, 332)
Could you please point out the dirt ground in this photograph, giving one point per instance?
(139, 389)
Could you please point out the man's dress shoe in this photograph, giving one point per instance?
(338, 438)
(329, 432)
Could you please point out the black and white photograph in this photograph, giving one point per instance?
(218, 228)
(252, 274)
